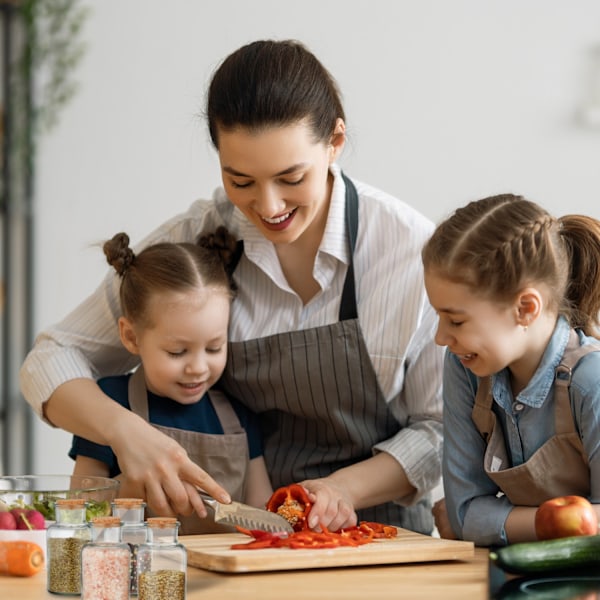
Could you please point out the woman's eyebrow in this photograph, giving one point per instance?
(287, 171)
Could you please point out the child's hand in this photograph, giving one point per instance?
(332, 506)
(440, 516)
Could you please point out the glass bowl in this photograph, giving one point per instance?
(42, 491)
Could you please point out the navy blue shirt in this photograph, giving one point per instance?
(200, 417)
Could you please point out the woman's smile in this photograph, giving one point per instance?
(281, 221)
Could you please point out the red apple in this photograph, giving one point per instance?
(565, 516)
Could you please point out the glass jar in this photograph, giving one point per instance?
(162, 562)
(105, 562)
(64, 540)
(133, 530)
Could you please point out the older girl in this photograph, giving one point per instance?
(517, 292)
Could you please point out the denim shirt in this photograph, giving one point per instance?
(475, 510)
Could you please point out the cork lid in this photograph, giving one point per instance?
(71, 502)
(106, 522)
(161, 522)
(129, 502)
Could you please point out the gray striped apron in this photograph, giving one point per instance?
(560, 466)
(317, 394)
(224, 456)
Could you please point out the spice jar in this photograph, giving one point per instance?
(105, 562)
(133, 530)
(64, 540)
(162, 562)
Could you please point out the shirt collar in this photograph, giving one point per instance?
(335, 239)
(542, 381)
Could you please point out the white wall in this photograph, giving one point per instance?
(446, 101)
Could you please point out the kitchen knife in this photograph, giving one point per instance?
(247, 516)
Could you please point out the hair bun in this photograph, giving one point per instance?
(118, 253)
(221, 242)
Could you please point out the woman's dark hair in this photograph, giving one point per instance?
(269, 83)
(498, 245)
(170, 267)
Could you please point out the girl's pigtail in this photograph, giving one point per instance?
(581, 235)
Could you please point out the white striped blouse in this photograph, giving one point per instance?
(397, 321)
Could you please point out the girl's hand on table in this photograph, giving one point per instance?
(332, 506)
(440, 516)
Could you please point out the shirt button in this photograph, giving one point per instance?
(517, 406)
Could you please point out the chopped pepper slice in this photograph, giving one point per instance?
(293, 504)
(364, 533)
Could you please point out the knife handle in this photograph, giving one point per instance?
(208, 500)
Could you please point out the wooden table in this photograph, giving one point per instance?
(451, 580)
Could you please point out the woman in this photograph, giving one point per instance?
(331, 334)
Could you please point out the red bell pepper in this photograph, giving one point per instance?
(293, 504)
(364, 533)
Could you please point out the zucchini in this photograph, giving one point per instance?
(578, 552)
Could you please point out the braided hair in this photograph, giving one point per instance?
(498, 245)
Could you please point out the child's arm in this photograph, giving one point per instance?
(259, 487)
(519, 525)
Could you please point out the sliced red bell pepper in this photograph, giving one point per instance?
(364, 533)
(293, 504)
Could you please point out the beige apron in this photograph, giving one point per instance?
(319, 399)
(560, 466)
(223, 456)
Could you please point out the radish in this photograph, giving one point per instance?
(7, 520)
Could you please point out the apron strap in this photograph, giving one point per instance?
(348, 309)
(482, 414)
(225, 412)
(137, 393)
(564, 421)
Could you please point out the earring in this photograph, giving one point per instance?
(525, 328)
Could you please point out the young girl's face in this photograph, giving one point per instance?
(279, 178)
(483, 334)
(185, 350)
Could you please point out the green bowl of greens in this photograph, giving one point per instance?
(42, 491)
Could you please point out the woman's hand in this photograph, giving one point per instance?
(154, 466)
(157, 468)
(332, 506)
(440, 516)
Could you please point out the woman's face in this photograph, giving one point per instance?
(279, 178)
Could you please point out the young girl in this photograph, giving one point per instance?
(175, 301)
(517, 293)
(331, 333)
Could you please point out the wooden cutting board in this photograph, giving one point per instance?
(213, 552)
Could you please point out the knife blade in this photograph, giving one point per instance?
(246, 516)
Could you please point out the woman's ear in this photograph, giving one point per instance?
(338, 140)
(529, 306)
(128, 336)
